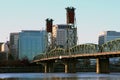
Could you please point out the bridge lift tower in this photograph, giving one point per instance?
(70, 32)
(71, 22)
(49, 24)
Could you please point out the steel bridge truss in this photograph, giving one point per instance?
(110, 46)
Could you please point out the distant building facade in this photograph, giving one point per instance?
(14, 37)
(1, 46)
(108, 36)
(4, 51)
(4, 48)
(64, 35)
(31, 43)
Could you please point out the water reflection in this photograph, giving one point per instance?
(59, 76)
(40, 78)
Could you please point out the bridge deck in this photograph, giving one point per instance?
(81, 56)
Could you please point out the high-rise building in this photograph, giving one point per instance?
(14, 44)
(64, 35)
(108, 36)
(31, 43)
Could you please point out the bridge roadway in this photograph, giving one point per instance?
(69, 61)
(82, 56)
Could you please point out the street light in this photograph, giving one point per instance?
(60, 57)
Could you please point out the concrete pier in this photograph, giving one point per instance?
(69, 66)
(48, 68)
(102, 65)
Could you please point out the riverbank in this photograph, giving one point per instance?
(39, 69)
(23, 69)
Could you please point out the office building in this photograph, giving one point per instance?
(64, 35)
(31, 43)
(14, 45)
(108, 36)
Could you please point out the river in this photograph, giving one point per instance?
(59, 76)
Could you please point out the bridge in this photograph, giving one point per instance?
(69, 57)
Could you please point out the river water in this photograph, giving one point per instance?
(59, 76)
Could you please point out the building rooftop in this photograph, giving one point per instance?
(110, 33)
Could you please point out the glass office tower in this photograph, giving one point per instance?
(108, 36)
(31, 43)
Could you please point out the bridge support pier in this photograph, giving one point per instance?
(102, 65)
(70, 66)
(45, 68)
(48, 68)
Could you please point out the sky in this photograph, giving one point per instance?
(92, 16)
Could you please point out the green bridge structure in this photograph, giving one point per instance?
(69, 57)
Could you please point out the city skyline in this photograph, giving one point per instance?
(92, 17)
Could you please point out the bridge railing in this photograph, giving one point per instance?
(111, 46)
(84, 49)
(79, 49)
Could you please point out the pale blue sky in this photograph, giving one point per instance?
(92, 16)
